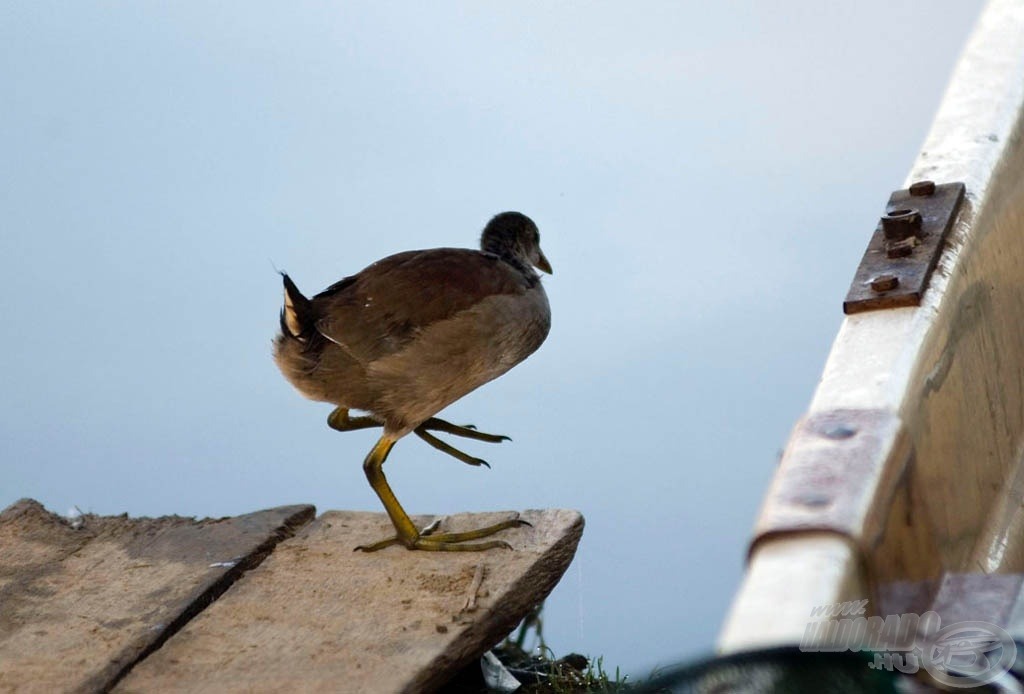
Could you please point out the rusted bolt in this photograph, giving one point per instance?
(922, 189)
(884, 283)
(900, 224)
(901, 249)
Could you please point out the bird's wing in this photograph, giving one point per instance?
(377, 312)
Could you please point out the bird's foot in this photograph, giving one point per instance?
(427, 540)
(449, 449)
(466, 430)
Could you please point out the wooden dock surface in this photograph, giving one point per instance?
(269, 601)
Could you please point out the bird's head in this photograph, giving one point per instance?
(514, 234)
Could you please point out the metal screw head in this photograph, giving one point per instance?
(922, 188)
(884, 283)
(901, 249)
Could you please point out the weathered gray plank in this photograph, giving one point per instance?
(80, 606)
(316, 616)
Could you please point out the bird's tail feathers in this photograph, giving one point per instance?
(297, 314)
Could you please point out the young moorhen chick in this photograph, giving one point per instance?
(410, 335)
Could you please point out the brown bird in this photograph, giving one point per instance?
(410, 335)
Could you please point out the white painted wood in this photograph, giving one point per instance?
(952, 369)
(787, 577)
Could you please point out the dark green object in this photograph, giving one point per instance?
(784, 670)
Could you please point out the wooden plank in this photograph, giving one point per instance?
(80, 605)
(799, 572)
(988, 598)
(317, 616)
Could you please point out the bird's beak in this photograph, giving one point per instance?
(542, 262)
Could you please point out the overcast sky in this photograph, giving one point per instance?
(705, 177)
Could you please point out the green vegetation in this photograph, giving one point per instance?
(543, 672)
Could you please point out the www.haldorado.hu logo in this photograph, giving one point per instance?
(963, 654)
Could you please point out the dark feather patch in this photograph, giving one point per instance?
(297, 316)
(378, 311)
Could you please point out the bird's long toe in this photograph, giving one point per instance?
(453, 542)
(449, 449)
(468, 431)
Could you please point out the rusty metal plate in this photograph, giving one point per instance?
(852, 472)
(905, 247)
(836, 466)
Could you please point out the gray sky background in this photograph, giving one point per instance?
(705, 177)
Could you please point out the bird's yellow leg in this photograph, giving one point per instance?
(408, 535)
(339, 419)
(373, 467)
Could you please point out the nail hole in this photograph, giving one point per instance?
(840, 432)
(813, 499)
